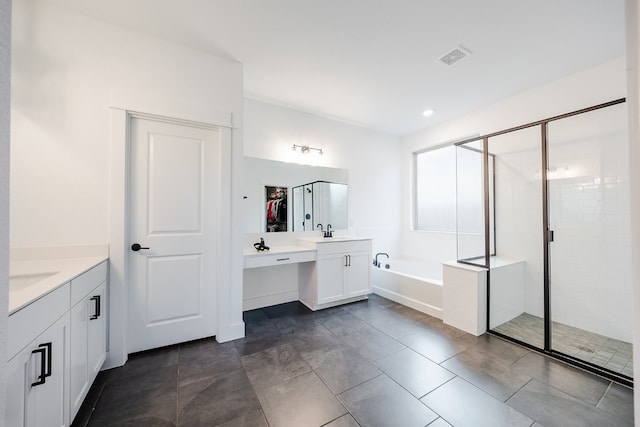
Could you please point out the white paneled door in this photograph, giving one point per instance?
(174, 191)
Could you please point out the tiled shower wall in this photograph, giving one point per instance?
(589, 212)
(590, 261)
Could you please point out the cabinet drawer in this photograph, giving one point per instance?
(87, 282)
(26, 324)
(277, 259)
(343, 247)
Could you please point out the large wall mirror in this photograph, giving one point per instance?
(283, 196)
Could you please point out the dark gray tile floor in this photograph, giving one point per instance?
(372, 363)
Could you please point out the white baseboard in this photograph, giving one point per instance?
(409, 302)
(267, 300)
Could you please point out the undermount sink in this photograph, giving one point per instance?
(21, 281)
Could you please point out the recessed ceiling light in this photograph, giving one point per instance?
(427, 113)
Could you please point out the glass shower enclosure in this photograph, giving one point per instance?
(545, 208)
(319, 204)
(475, 238)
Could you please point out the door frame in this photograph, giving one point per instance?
(123, 109)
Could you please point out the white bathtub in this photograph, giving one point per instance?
(414, 283)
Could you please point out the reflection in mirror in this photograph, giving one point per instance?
(319, 204)
(260, 174)
(276, 212)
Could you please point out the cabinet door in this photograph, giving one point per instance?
(51, 398)
(37, 388)
(331, 277)
(97, 337)
(358, 271)
(79, 372)
(18, 369)
(88, 344)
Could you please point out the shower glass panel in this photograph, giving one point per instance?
(589, 258)
(516, 285)
(470, 211)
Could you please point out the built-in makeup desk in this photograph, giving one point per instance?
(271, 277)
(278, 256)
(318, 272)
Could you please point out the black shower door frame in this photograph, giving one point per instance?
(547, 239)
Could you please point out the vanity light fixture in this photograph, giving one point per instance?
(305, 149)
(428, 113)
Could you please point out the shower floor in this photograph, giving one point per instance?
(606, 352)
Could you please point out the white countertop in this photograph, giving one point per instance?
(332, 239)
(30, 280)
(277, 250)
(494, 262)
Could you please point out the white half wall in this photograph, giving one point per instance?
(371, 158)
(5, 83)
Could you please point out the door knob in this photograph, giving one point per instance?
(136, 247)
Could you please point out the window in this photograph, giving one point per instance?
(435, 189)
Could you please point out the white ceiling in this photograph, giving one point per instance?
(375, 63)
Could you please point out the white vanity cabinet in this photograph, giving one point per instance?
(38, 386)
(56, 344)
(341, 273)
(88, 332)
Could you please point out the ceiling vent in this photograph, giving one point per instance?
(454, 56)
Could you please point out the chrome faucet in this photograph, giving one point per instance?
(320, 226)
(329, 232)
(379, 263)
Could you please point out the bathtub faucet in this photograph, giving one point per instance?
(379, 263)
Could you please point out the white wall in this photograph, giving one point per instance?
(589, 87)
(5, 68)
(68, 70)
(633, 81)
(371, 158)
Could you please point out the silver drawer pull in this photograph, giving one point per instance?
(282, 259)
